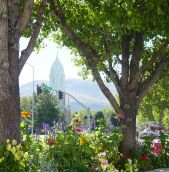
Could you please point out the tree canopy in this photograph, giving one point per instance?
(122, 42)
(105, 32)
(155, 104)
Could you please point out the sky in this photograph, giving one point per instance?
(42, 63)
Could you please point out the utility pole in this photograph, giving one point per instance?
(33, 99)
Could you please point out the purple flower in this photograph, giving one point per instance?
(46, 127)
(53, 121)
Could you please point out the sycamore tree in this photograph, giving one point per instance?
(29, 18)
(124, 42)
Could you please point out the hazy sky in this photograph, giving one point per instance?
(43, 60)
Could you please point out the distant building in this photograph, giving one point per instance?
(57, 76)
(57, 82)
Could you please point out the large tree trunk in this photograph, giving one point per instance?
(129, 126)
(9, 83)
(10, 113)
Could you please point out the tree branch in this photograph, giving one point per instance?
(147, 65)
(114, 77)
(106, 42)
(134, 65)
(111, 73)
(24, 18)
(103, 87)
(125, 44)
(36, 30)
(88, 52)
(143, 89)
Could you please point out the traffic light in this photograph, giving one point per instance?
(38, 89)
(60, 95)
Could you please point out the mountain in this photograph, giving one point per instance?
(85, 91)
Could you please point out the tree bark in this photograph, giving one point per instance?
(10, 33)
(9, 84)
(161, 116)
(128, 125)
(151, 114)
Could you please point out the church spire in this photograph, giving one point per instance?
(57, 75)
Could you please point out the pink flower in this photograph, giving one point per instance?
(78, 129)
(121, 116)
(157, 148)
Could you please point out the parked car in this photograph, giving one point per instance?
(151, 129)
(147, 132)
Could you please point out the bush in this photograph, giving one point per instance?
(150, 155)
(13, 158)
(77, 151)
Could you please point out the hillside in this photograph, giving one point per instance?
(87, 92)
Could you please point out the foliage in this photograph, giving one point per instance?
(155, 104)
(99, 119)
(107, 115)
(13, 157)
(48, 26)
(150, 155)
(119, 42)
(46, 108)
(77, 151)
(98, 26)
(26, 103)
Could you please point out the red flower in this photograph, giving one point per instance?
(144, 158)
(78, 129)
(51, 142)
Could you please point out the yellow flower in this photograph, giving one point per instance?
(7, 141)
(83, 139)
(9, 146)
(26, 155)
(17, 157)
(22, 164)
(13, 150)
(14, 142)
(18, 146)
(20, 153)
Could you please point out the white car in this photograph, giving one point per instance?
(147, 132)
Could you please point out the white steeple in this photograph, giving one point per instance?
(57, 75)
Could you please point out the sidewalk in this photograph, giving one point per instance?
(160, 170)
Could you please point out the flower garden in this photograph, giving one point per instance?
(70, 148)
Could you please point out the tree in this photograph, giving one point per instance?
(99, 118)
(17, 18)
(156, 101)
(123, 42)
(46, 109)
(26, 104)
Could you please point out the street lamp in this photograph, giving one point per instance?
(33, 100)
